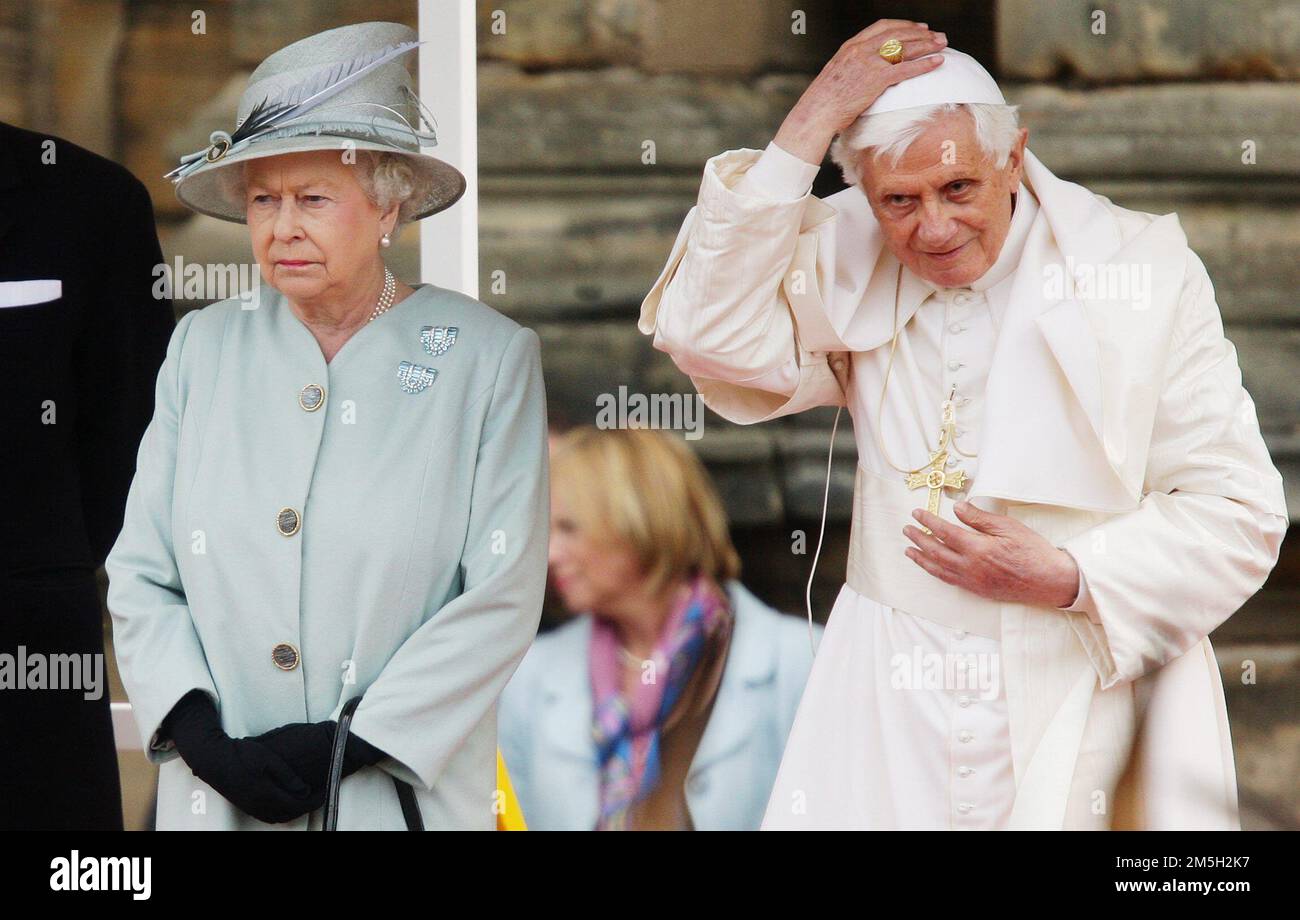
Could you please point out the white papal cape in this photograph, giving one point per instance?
(1114, 425)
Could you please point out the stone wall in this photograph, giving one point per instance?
(595, 121)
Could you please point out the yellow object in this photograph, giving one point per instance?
(510, 817)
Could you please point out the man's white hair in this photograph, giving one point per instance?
(891, 133)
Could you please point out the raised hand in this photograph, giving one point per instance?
(852, 81)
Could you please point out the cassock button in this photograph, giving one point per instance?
(955, 365)
(965, 808)
(964, 771)
(311, 397)
(288, 522)
(965, 737)
(285, 656)
(963, 701)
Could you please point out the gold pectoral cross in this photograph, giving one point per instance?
(932, 475)
(936, 480)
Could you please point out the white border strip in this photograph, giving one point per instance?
(449, 87)
(125, 731)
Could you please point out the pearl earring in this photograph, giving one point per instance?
(385, 241)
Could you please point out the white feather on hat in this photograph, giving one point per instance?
(345, 88)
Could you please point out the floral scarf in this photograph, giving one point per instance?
(626, 732)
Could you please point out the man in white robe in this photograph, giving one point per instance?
(1036, 656)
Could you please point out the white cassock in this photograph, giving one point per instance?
(1116, 426)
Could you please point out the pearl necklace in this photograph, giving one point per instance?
(386, 298)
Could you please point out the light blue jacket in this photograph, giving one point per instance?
(546, 713)
(416, 573)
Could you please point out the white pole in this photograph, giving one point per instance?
(449, 88)
(125, 732)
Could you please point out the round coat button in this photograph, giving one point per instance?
(285, 656)
(288, 522)
(311, 397)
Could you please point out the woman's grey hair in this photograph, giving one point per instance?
(384, 177)
(891, 133)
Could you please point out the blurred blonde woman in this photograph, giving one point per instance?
(665, 704)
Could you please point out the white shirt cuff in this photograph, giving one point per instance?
(777, 175)
(1083, 599)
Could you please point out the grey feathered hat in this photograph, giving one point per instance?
(343, 87)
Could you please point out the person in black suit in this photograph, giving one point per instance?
(82, 337)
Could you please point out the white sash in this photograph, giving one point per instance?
(878, 570)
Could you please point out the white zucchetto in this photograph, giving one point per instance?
(960, 78)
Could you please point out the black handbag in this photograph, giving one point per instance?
(405, 794)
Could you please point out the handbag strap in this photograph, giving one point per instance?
(335, 776)
(410, 810)
(405, 792)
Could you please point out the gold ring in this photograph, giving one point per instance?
(892, 51)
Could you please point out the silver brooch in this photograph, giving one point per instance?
(415, 377)
(437, 339)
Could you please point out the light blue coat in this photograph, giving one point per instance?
(546, 715)
(416, 576)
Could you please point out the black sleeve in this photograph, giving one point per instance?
(121, 346)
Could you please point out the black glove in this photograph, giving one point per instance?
(250, 775)
(306, 747)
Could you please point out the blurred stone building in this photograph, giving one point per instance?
(595, 120)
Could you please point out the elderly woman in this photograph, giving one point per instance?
(667, 707)
(343, 492)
